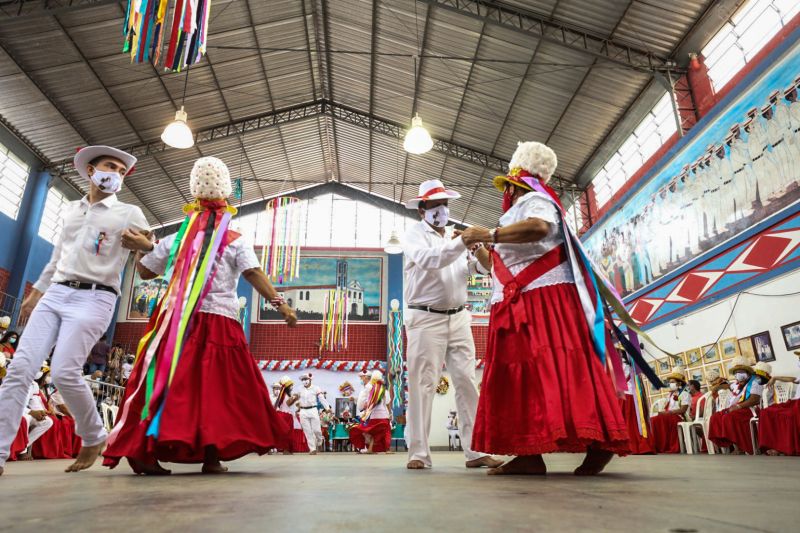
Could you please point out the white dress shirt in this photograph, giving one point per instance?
(34, 400)
(221, 298)
(309, 395)
(516, 257)
(436, 267)
(76, 256)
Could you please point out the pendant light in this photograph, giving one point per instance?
(393, 245)
(177, 134)
(418, 140)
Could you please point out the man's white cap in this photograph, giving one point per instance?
(364, 373)
(305, 377)
(87, 154)
(377, 375)
(210, 179)
(432, 190)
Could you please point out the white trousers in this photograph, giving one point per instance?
(72, 320)
(37, 428)
(433, 340)
(309, 421)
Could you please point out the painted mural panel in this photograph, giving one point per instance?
(361, 275)
(741, 168)
(144, 296)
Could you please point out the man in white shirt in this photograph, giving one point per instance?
(309, 414)
(72, 303)
(438, 327)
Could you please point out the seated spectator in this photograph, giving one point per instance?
(98, 357)
(665, 424)
(35, 415)
(8, 343)
(696, 394)
(731, 426)
(779, 424)
(127, 368)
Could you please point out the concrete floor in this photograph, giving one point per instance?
(345, 492)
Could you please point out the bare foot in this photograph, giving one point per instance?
(416, 464)
(151, 469)
(214, 468)
(25, 456)
(773, 453)
(486, 460)
(312, 452)
(287, 452)
(86, 458)
(525, 465)
(594, 463)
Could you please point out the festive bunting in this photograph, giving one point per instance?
(281, 255)
(275, 365)
(146, 27)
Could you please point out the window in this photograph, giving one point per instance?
(744, 35)
(13, 176)
(308, 297)
(651, 133)
(53, 216)
(334, 221)
(574, 218)
(301, 295)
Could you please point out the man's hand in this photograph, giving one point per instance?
(137, 240)
(288, 315)
(38, 415)
(28, 305)
(475, 234)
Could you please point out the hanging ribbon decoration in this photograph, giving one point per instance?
(147, 30)
(335, 321)
(395, 356)
(280, 258)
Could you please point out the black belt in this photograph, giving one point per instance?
(439, 311)
(80, 285)
(311, 407)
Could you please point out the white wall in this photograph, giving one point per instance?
(753, 314)
(442, 405)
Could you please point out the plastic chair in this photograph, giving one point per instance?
(783, 392)
(687, 435)
(109, 414)
(454, 442)
(398, 436)
(657, 406)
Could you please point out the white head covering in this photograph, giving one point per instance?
(210, 179)
(89, 153)
(432, 190)
(536, 158)
(306, 377)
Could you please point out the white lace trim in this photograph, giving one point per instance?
(560, 274)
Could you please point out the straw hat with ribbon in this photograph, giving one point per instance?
(763, 369)
(740, 363)
(677, 373)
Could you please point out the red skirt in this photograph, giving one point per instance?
(217, 399)
(639, 445)
(49, 445)
(779, 428)
(299, 442)
(727, 428)
(20, 442)
(380, 430)
(544, 389)
(70, 441)
(665, 433)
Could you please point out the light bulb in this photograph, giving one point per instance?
(394, 304)
(177, 133)
(418, 140)
(393, 245)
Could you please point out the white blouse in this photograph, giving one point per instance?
(518, 256)
(222, 298)
(738, 390)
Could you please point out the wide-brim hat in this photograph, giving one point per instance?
(740, 363)
(286, 381)
(516, 177)
(89, 153)
(432, 190)
(677, 373)
(763, 369)
(306, 377)
(377, 375)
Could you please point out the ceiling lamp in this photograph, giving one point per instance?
(418, 140)
(177, 133)
(393, 245)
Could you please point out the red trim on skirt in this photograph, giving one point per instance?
(217, 398)
(381, 431)
(779, 428)
(727, 428)
(544, 389)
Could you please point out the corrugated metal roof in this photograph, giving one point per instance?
(73, 86)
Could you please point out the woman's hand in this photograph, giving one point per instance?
(475, 234)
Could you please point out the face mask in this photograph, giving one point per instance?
(108, 182)
(507, 199)
(673, 386)
(763, 380)
(437, 216)
(741, 376)
(306, 384)
(12, 340)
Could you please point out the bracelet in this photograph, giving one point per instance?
(493, 234)
(277, 302)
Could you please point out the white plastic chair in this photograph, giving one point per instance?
(454, 443)
(657, 406)
(109, 413)
(687, 436)
(783, 391)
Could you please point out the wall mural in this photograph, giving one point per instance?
(741, 168)
(361, 275)
(144, 296)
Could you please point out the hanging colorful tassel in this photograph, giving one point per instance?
(280, 258)
(146, 27)
(335, 321)
(395, 356)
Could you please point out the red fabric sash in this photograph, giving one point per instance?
(511, 313)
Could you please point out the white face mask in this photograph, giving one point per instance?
(108, 182)
(437, 216)
(673, 386)
(306, 384)
(741, 376)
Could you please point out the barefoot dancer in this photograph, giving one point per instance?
(374, 433)
(196, 394)
(546, 370)
(73, 301)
